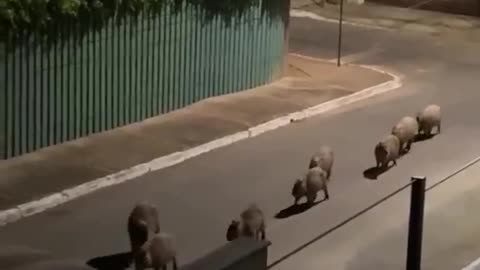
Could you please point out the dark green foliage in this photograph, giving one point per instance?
(47, 20)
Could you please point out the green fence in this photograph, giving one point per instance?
(126, 73)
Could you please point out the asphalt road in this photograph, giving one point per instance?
(198, 198)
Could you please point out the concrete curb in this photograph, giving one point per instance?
(312, 15)
(34, 207)
(473, 265)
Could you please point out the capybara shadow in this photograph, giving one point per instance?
(374, 172)
(296, 209)
(119, 261)
(423, 137)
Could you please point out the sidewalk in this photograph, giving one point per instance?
(54, 169)
(399, 19)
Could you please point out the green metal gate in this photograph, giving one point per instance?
(127, 73)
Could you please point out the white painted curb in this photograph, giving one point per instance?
(34, 207)
(311, 15)
(473, 266)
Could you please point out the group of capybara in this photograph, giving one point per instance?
(152, 248)
(404, 133)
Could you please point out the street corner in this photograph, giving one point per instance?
(349, 76)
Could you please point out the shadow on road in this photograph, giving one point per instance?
(373, 173)
(423, 137)
(119, 261)
(296, 209)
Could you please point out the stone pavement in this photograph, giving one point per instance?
(398, 19)
(33, 176)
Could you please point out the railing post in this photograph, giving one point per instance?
(339, 45)
(415, 227)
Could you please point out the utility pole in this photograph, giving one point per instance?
(340, 22)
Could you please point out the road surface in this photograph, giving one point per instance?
(198, 198)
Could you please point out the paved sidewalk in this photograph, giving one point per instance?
(396, 18)
(33, 176)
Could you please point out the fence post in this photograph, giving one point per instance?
(415, 227)
(339, 45)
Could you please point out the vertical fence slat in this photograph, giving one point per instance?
(208, 60)
(183, 76)
(29, 117)
(82, 116)
(161, 62)
(255, 49)
(131, 74)
(248, 47)
(16, 103)
(10, 101)
(56, 97)
(217, 46)
(40, 73)
(74, 102)
(62, 106)
(139, 90)
(93, 91)
(135, 94)
(121, 56)
(44, 92)
(122, 74)
(106, 40)
(37, 73)
(203, 51)
(224, 59)
(170, 65)
(187, 57)
(10, 81)
(65, 69)
(22, 100)
(195, 52)
(174, 62)
(145, 67)
(98, 112)
(4, 95)
(227, 61)
(240, 48)
(153, 71)
(69, 125)
(159, 77)
(148, 74)
(142, 62)
(77, 101)
(102, 84)
(234, 65)
(114, 71)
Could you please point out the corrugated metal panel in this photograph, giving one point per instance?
(126, 73)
